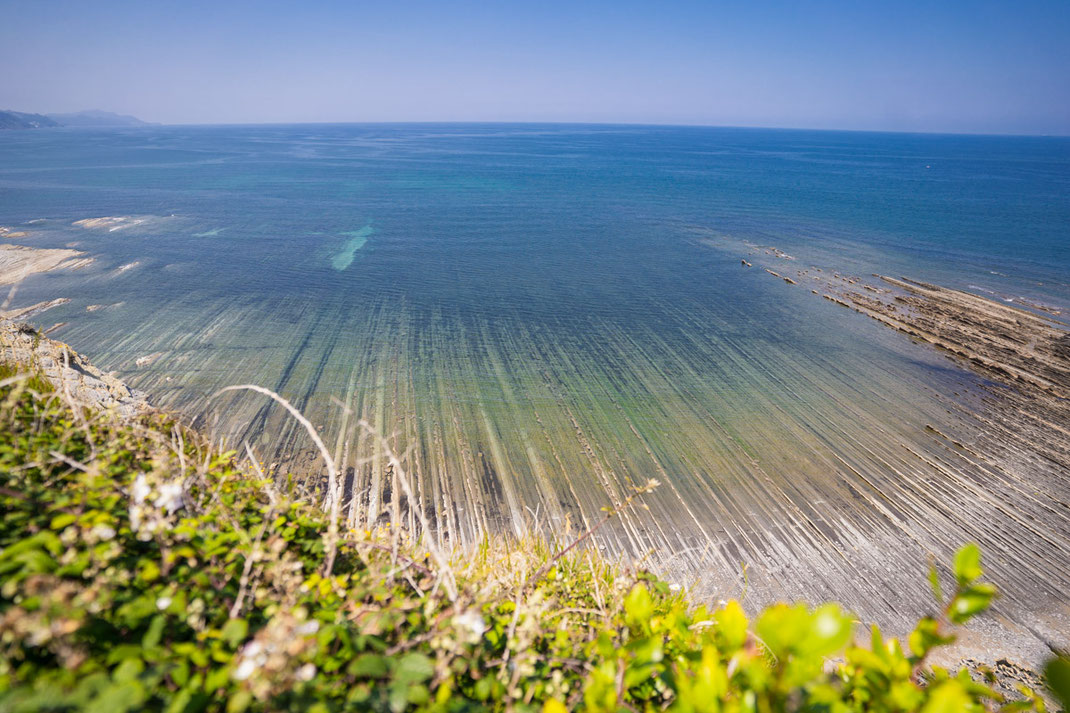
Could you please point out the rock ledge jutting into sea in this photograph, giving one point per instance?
(69, 371)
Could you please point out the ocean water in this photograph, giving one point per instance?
(543, 317)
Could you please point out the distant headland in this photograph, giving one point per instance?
(82, 119)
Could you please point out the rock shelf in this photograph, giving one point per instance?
(1026, 355)
(19, 261)
(996, 467)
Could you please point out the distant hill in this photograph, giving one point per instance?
(18, 120)
(96, 118)
(80, 119)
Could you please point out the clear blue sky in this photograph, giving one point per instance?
(938, 65)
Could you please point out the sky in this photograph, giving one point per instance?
(969, 66)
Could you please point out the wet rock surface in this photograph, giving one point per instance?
(1004, 476)
(1025, 355)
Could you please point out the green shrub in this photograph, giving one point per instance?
(28, 380)
(141, 570)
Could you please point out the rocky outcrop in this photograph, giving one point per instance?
(1026, 355)
(70, 373)
(1024, 352)
(19, 261)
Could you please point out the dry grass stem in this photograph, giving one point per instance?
(334, 499)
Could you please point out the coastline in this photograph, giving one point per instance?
(1021, 352)
(969, 479)
(307, 586)
(1024, 350)
(997, 641)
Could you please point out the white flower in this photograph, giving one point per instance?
(245, 670)
(472, 622)
(141, 489)
(102, 532)
(306, 672)
(135, 518)
(170, 496)
(163, 602)
(674, 587)
(308, 628)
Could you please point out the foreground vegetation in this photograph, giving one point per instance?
(140, 569)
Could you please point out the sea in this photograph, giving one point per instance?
(538, 320)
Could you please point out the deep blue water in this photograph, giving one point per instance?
(541, 314)
(475, 197)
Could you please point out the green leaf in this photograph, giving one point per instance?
(128, 670)
(120, 652)
(947, 697)
(925, 637)
(418, 694)
(731, 626)
(414, 668)
(967, 564)
(132, 613)
(398, 697)
(217, 679)
(971, 602)
(369, 666)
(638, 606)
(934, 583)
(124, 696)
(552, 705)
(155, 633)
(239, 701)
(1057, 676)
(782, 627)
(830, 630)
(180, 673)
(646, 650)
(150, 571)
(61, 521)
(234, 631)
(181, 702)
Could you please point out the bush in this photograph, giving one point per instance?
(142, 570)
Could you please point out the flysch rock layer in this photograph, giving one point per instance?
(1026, 355)
(19, 261)
(995, 639)
(1005, 480)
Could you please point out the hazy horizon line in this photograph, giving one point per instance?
(439, 122)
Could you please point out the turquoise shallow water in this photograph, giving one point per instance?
(541, 317)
